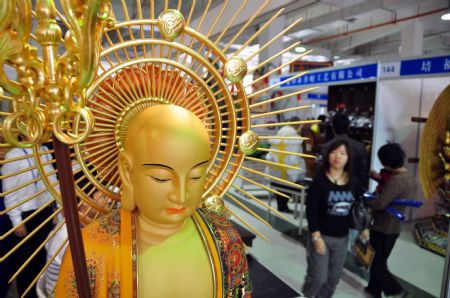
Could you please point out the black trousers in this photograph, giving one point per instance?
(381, 280)
(6, 270)
(30, 272)
(282, 202)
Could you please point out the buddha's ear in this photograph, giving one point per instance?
(125, 169)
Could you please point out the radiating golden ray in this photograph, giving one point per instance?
(282, 138)
(127, 86)
(287, 152)
(259, 201)
(271, 163)
(282, 97)
(127, 18)
(286, 123)
(52, 257)
(102, 151)
(264, 187)
(265, 90)
(247, 224)
(152, 9)
(104, 119)
(18, 172)
(123, 96)
(31, 155)
(248, 210)
(261, 64)
(283, 32)
(278, 69)
(253, 116)
(102, 67)
(108, 38)
(108, 108)
(109, 60)
(30, 234)
(135, 84)
(120, 100)
(257, 33)
(102, 142)
(208, 34)
(124, 50)
(225, 4)
(9, 191)
(245, 26)
(270, 177)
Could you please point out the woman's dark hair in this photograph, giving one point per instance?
(392, 155)
(333, 146)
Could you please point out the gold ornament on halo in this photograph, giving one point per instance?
(216, 204)
(171, 23)
(248, 142)
(235, 69)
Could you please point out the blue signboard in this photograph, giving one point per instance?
(361, 72)
(425, 66)
(316, 96)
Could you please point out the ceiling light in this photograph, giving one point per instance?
(445, 17)
(300, 49)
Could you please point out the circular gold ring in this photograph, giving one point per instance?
(34, 129)
(68, 137)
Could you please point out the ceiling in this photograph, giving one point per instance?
(343, 31)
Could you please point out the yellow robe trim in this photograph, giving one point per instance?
(111, 258)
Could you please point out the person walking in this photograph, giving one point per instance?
(386, 229)
(330, 198)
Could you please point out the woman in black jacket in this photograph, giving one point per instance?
(330, 198)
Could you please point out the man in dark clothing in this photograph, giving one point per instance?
(359, 163)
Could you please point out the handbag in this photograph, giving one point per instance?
(360, 215)
(364, 252)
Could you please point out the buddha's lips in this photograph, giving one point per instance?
(176, 210)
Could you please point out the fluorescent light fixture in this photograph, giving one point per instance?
(445, 17)
(303, 33)
(300, 49)
(287, 38)
(315, 58)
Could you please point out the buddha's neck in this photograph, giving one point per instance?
(150, 233)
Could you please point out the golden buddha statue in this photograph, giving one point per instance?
(173, 130)
(160, 237)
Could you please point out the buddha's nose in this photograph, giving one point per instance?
(180, 195)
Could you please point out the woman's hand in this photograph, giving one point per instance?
(319, 246)
(364, 235)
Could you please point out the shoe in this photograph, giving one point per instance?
(285, 210)
(370, 294)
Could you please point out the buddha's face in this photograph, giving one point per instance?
(168, 161)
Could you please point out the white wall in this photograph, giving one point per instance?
(397, 101)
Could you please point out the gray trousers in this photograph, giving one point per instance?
(324, 271)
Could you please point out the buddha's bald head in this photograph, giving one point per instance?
(160, 121)
(163, 167)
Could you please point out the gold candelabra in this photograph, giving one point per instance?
(49, 89)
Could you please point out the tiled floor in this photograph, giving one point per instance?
(285, 257)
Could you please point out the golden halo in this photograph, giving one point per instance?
(123, 88)
(432, 143)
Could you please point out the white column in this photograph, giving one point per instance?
(412, 39)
